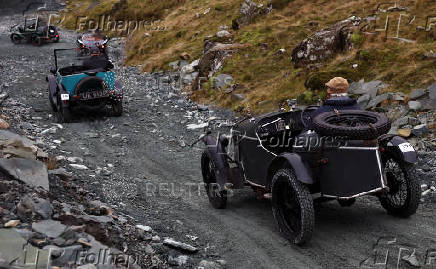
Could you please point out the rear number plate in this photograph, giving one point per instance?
(406, 147)
(93, 95)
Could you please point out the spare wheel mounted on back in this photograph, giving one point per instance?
(352, 124)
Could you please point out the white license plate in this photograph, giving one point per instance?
(406, 147)
(65, 96)
(93, 95)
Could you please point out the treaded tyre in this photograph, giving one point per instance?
(352, 124)
(63, 113)
(402, 199)
(292, 207)
(117, 109)
(16, 39)
(217, 197)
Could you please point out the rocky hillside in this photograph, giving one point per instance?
(280, 49)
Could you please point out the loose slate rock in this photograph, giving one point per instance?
(49, 228)
(31, 172)
(179, 245)
(415, 94)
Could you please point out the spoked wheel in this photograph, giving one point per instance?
(353, 124)
(404, 193)
(217, 196)
(117, 109)
(16, 39)
(292, 207)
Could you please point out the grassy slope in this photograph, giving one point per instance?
(264, 74)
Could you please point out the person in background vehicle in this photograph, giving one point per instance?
(98, 60)
(337, 97)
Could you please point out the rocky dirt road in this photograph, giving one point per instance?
(135, 160)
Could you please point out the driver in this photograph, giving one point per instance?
(98, 60)
(337, 97)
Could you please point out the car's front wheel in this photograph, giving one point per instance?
(217, 196)
(402, 198)
(16, 39)
(292, 207)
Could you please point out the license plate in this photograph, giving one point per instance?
(93, 95)
(65, 96)
(406, 147)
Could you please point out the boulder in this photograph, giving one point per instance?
(372, 88)
(6, 135)
(49, 228)
(377, 100)
(418, 93)
(363, 100)
(325, 43)
(222, 80)
(31, 172)
(223, 33)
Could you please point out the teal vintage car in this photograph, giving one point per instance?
(82, 79)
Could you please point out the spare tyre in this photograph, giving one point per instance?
(352, 124)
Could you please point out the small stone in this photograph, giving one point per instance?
(414, 105)
(74, 160)
(12, 223)
(404, 132)
(179, 245)
(420, 130)
(177, 261)
(78, 166)
(144, 228)
(3, 124)
(424, 187)
(204, 264)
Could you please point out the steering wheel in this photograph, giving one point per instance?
(305, 116)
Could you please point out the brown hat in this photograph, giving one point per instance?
(338, 83)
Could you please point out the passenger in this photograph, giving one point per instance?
(98, 60)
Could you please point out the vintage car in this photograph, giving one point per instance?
(77, 80)
(343, 155)
(34, 30)
(89, 40)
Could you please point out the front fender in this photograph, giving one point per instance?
(403, 151)
(218, 155)
(294, 160)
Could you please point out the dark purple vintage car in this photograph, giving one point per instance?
(345, 155)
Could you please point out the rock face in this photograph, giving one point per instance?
(325, 43)
(248, 12)
(214, 53)
(33, 173)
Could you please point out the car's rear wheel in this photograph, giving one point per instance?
(36, 41)
(402, 199)
(16, 39)
(117, 108)
(292, 207)
(63, 112)
(217, 196)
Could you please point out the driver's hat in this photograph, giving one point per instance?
(338, 83)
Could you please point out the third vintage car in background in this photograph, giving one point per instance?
(35, 30)
(348, 155)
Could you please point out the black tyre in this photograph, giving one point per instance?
(117, 109)
(36, 41)
(217, 196)
(63, 113)
(292, 207)
(16, 39)
(402, 199)
(353, 124)
(347, 202)
(52, 103)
